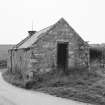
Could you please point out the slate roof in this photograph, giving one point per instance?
(30, 40)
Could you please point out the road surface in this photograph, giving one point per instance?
(11, 95)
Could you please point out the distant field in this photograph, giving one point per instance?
(4, 55)
(4, 51)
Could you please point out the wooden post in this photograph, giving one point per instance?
(89, 58)
(11, 59)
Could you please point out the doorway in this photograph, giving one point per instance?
(62, 55)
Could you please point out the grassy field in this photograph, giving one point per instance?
(4, 51)
(4, 55)
(81, 85)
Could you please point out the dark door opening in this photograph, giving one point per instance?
(62, 55)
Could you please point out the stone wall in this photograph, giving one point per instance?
(44, 52)
(42, 56)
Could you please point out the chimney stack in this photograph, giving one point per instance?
(31, 33)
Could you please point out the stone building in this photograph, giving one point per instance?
(57, 46)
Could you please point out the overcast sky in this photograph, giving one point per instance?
(87, 17)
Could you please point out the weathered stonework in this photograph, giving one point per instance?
(42, 55)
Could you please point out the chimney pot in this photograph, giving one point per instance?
(31, 33)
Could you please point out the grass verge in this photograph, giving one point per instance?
(80, 85)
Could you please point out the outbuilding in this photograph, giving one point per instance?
(57, 46)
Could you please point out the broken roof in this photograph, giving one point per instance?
(30, 40)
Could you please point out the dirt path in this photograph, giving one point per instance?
(10, 95)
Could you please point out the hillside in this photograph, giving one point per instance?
(4, 51)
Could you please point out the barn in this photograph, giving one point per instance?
(57, 46)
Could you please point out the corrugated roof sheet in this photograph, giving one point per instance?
(20, 43)
(28, 43)
(33, 38)
(30, 40)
